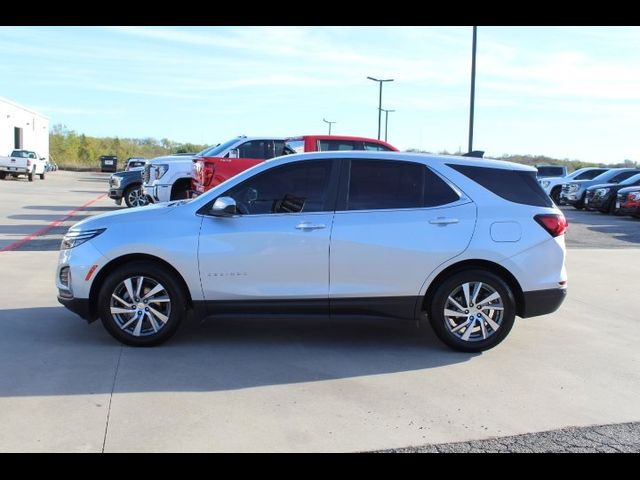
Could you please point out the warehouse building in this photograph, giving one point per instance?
(21, 127)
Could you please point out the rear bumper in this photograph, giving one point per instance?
(542, 302)
(79, 306)
(14, 169)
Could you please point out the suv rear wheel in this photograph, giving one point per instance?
(472, 310)
(141, 304)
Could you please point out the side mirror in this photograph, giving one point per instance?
(234, 153)
(224, 207)
(42, 158)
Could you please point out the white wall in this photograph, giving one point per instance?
(35, 128)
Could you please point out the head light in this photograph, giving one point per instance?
(75, 238)
(573, 187)
(545, 183)
(115, 181)
(601, 192)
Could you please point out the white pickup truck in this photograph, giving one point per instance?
(167, 178)
(23, 162)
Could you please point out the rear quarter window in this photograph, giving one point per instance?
(513, 185)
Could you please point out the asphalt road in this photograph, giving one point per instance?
(598, 230)
(305, 385)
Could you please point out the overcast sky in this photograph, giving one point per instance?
(566, 92)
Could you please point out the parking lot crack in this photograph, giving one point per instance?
(113, 387)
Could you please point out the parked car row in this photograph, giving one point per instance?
(607, 192)
(185, 175)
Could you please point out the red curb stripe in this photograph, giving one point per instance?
(53, 224)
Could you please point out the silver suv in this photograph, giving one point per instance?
(466, 244)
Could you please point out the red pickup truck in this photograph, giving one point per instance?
(224, 161)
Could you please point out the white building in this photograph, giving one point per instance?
(21, 127)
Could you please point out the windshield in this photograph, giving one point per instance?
(631, 180)
(20, 154)
(550, 171)
(297, 146)
(218, 149)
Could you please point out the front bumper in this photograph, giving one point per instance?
(542, 302)
(116, 193)
(79, 306)
(598, 203)
(573, 198)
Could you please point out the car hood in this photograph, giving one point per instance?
(602, 185)
(634, 188)
(128, 173)
(130, 215)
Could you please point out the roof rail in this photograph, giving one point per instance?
(474, 153)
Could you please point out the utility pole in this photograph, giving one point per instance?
(386, 121)
(327, 121)
(473, 88)
(380, 100)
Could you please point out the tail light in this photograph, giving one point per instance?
(28, 163)
(208, 170)
(554, 223)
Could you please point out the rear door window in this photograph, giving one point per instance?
(327, 145)
(380, 184)
(375, 147)
(258, 149)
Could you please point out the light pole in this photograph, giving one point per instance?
(380, 100)
(327, 121)
(386, 121)
(473, 88)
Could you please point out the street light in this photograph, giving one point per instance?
(327, 121)
(386, 121)
(380, 100)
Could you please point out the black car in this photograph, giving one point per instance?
(603, 197)
(628, 201)
(127, 185)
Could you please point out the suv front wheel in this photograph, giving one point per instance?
(134, 197)
(141, 304)
(472, 310)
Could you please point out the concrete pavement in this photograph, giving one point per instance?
(306, 385)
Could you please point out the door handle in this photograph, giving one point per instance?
(443, 221)
(310, 226)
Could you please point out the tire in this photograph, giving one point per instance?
(30, 176)
(3, 175)
(612, 207)
(133, 196)
(555, 195)
(42, 176)
(124, 326)
(480, 336)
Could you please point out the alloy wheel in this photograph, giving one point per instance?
(140, 306)
(473, 311)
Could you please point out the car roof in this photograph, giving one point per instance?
(426, 158)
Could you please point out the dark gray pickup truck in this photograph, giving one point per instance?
(127, 185)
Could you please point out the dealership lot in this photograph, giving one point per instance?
(307, 386)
